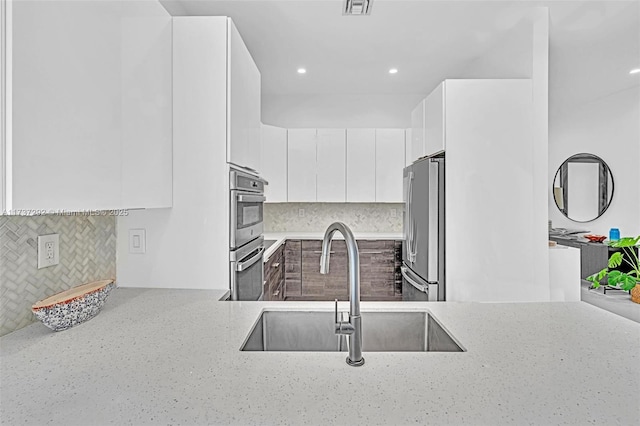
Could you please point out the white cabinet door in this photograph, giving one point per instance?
(243, 130)
(91, 106)
(274, 163)
(390, 158)
(361, 165)
(301, 165)
(417, 132)
(331, 165)
(434, 134)
(147, 154)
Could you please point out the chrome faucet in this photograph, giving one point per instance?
(352, 328)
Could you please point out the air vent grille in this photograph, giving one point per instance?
(357, 7)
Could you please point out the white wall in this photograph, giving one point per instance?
(512, 56)
(540, 148)
(610, 129)
(339, 110)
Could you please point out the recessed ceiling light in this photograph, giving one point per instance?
(634, 71)
(393, 71)
(301, 71)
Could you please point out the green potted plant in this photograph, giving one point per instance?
(628, 281)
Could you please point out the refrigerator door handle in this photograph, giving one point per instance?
(431, 289)
(410, 243)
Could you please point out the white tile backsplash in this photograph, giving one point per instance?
(360, 217)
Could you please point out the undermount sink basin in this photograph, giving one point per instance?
(382, 331)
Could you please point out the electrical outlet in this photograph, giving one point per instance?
(48, 250)
(300, 212)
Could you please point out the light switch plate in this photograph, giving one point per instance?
(48, 250)
(137, 241)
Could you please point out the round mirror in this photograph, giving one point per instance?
(583, 187)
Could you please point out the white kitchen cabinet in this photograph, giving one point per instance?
(331, 165)
(434, 116)
(417, 131)
(390, 159)
(361, 165)
(243, 136)
(408, 158)
(274, 163)
(301, 165)
(88, 106)
(487, 201)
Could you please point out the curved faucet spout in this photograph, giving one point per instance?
(355, 348)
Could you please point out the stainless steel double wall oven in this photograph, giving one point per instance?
(246, 239)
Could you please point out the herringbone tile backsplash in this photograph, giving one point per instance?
(87, 253)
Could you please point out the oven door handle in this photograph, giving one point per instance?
(241, 266)
(251, 198)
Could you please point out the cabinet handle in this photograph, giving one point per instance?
(276, 293)
(276, 265)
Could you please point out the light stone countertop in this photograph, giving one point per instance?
(281, 237)
(156, 356)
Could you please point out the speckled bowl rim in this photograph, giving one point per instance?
(102, 284)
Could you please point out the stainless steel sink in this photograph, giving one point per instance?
(382, 331)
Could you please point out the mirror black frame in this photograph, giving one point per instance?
(603, 184)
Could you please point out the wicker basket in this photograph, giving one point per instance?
(635, 293)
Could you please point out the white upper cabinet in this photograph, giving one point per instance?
(274, 163)
(331, 165)
(390, 159)
(301, 165)
(408, 158)
(244, 104)
(417, 132)
(89, 106)
(361, 165)
(434, 128)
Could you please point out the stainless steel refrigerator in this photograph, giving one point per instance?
(423, 250)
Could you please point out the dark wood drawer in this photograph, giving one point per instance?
(293, 268)
(273, 273)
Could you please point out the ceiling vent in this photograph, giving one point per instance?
(357, 7)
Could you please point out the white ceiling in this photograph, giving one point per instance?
(594, 44)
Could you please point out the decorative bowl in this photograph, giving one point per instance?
(74, 306)
(595, 238)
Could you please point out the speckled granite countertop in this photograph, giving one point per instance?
(280, 238)
(172, 357)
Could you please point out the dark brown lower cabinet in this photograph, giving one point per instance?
(274, 284)
(293, 268)
(316, 286)
(379, 270)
